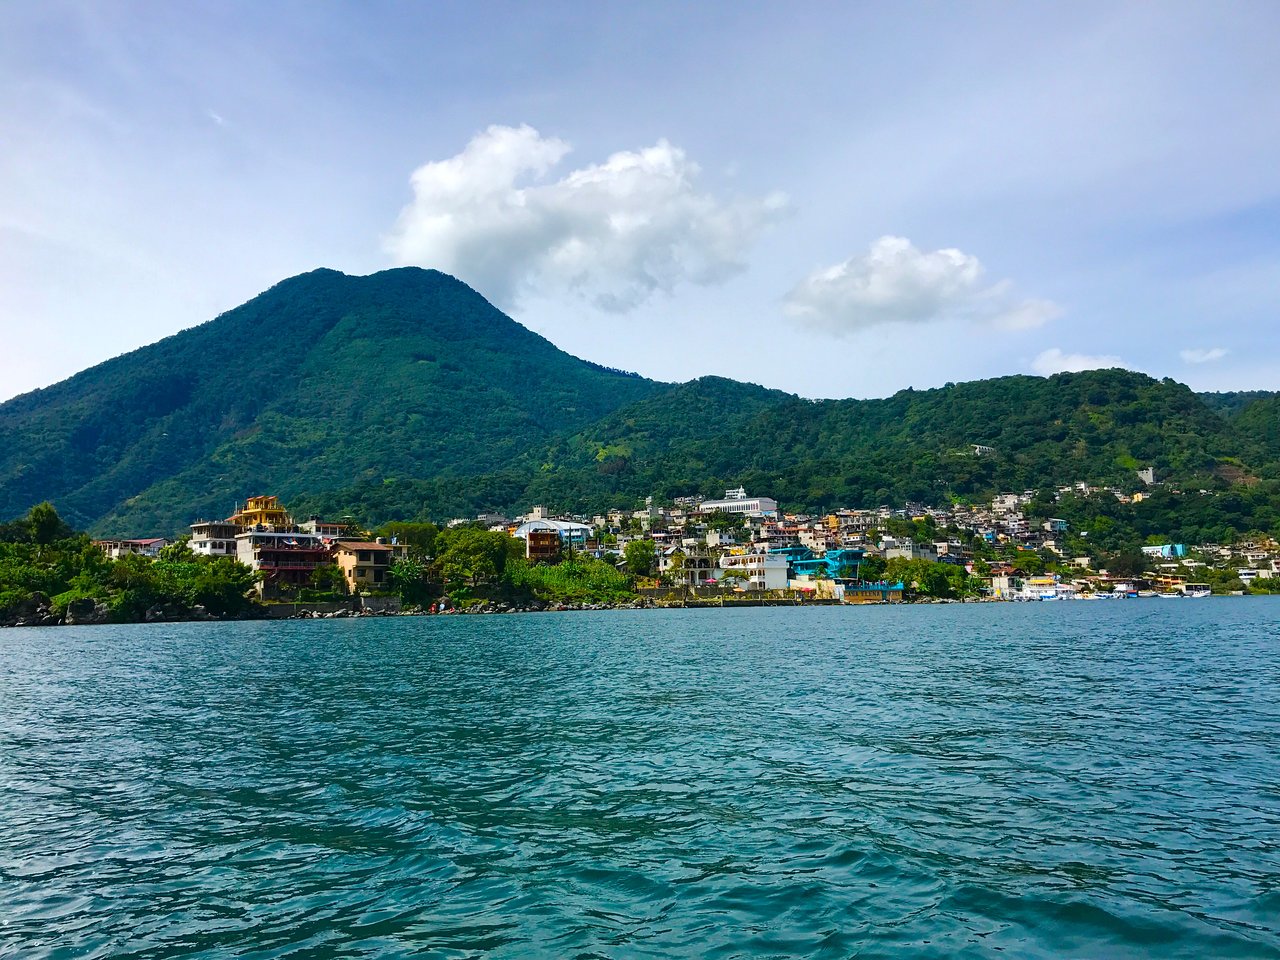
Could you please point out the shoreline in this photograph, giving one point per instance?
(45, 618)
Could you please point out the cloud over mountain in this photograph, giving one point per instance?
(616, 232)
(1054, 360)
(1203, 355)
(896, 282)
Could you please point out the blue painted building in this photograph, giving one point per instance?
(834, 564)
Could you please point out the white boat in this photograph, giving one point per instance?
(1197, 591)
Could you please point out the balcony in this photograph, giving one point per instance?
(292, 564)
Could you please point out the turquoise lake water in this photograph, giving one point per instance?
(1036, 780)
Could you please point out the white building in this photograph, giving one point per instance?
(691, 564)
(213, 538)
(907, 549)
(764, 571)
(737, 501)
(1004, 503)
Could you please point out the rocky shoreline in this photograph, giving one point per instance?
(37, 611)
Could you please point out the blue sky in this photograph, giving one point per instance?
(834, 199)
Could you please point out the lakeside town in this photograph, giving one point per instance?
(738, 547)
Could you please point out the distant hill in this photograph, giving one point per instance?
(1258, 424)
(916, 445)
(406, 394)
(1233, 402)
(699, 437)
(322, 381)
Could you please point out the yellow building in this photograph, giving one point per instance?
(264, 511)
(366, 564)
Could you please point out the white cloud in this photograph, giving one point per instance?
(616, 232)
(1202, 355)
(1053, 361)
(896, 282)
(1027, 314)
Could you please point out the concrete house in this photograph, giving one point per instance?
(365, 563)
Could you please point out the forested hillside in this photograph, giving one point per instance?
(1099, 426)
(406, 395)
(322, 381)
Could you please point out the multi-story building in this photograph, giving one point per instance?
(262, 512)
(365, 564)
(907, 549)
(213, 538)
(762, 571)
(691, 563)
(284, 558)
(737, 501)
(571, 532)
(542, 546)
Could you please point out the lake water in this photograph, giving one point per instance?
(1037, 780)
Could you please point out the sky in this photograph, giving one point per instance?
(835, 199)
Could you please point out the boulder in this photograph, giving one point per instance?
(165, 613)
(33, 611)
(86, 611)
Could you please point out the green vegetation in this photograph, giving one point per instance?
(1102, 523)
(709, 434)
(926, 578)
(405, 396)
(321, 381)
(46, 565)
(578, 580)
(641, 557)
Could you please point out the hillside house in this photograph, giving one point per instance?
(146, 547)
(213, 538)
(366, 564)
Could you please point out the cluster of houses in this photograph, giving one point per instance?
(264, 537)
(739, 541)
(772, 550)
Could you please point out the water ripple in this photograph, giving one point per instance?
(1099, 780)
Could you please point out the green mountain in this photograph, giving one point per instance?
(406, 395)
(1232, 402)
(322, 381)
(1100, 426)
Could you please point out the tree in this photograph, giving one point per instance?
(1128, 563)
(873, 568)
(723, 520)
(177, 552)
(641, 557)
(329, 578)
(221, 585)
(420, 536)
(45, 525)
(408, 576)
(466, 554)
